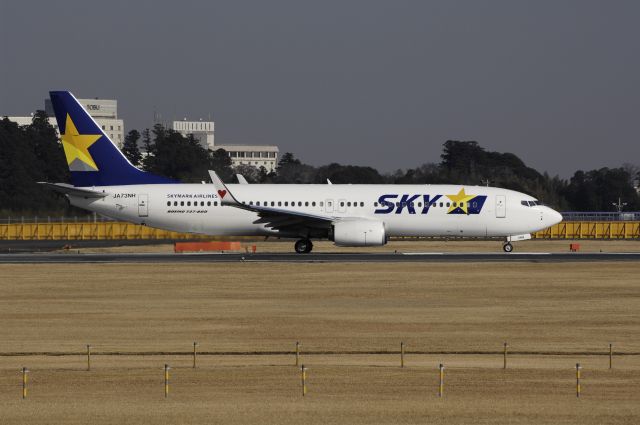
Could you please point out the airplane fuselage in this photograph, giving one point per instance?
(405, 210)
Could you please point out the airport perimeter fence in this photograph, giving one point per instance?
(297, 358)
(600, 216)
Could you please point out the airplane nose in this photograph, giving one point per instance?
(553, 216)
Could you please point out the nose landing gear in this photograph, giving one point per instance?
(507, 247)
(303, 246)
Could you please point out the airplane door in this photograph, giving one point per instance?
(501, 206)
(328, 205)
(143, 205)
(342, 205)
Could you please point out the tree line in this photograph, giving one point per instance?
(32, 153)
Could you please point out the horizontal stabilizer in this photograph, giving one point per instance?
(68, 189)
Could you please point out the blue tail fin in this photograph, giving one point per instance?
(94, 160)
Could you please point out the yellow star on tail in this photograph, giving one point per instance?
(460, 198)
(76, 146)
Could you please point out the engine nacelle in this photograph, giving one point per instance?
(359, 233)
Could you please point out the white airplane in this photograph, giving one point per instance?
(105, 182)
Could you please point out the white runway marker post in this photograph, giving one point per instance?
(578, 389)
(195, 347)
(166, 380)
(504, 355)
(88, 357)
(441, 385)
(24, 382)
(610, 356)
(303, 375)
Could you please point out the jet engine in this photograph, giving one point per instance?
(359, 233)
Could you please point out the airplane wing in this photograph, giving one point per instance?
(275, 218)
(68, 189)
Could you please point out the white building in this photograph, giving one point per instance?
(255, 155)
(103, 111)
(203, 131)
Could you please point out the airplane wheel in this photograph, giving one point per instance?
(507, 247)
(303, 246)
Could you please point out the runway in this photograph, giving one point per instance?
(407, 257)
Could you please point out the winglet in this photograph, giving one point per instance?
(329, 181)
(226, 198)
(241, 179)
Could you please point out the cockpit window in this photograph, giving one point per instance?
(531, 203)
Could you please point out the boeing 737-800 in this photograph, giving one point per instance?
(105, 182)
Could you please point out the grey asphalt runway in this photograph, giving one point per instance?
(312, 258)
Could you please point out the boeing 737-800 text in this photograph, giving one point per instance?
(105, 182)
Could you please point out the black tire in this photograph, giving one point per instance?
(309, 246)
(507, 247)
(303, 246)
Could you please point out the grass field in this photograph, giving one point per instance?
(340, 307)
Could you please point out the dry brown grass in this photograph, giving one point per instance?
(235, 307)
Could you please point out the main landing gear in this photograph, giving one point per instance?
(303, 246)
(507, 247)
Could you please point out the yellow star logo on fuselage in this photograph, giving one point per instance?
(461, 200)
(76, 145)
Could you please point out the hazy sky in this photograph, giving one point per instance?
(381, 83)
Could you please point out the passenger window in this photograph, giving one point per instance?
(461, 204)
(182, 203)
(448, 204)
(175, 203)
(433, 204)
(202, 204)
(215, 203)
(475, 205)
(342, 204)
(454, 204)
(362, 204)
(250, 202)
(208, 203)
(286, 203)
(168, 203)
(279, 203)
(348, 204)
(375, 204)
(441, 204)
